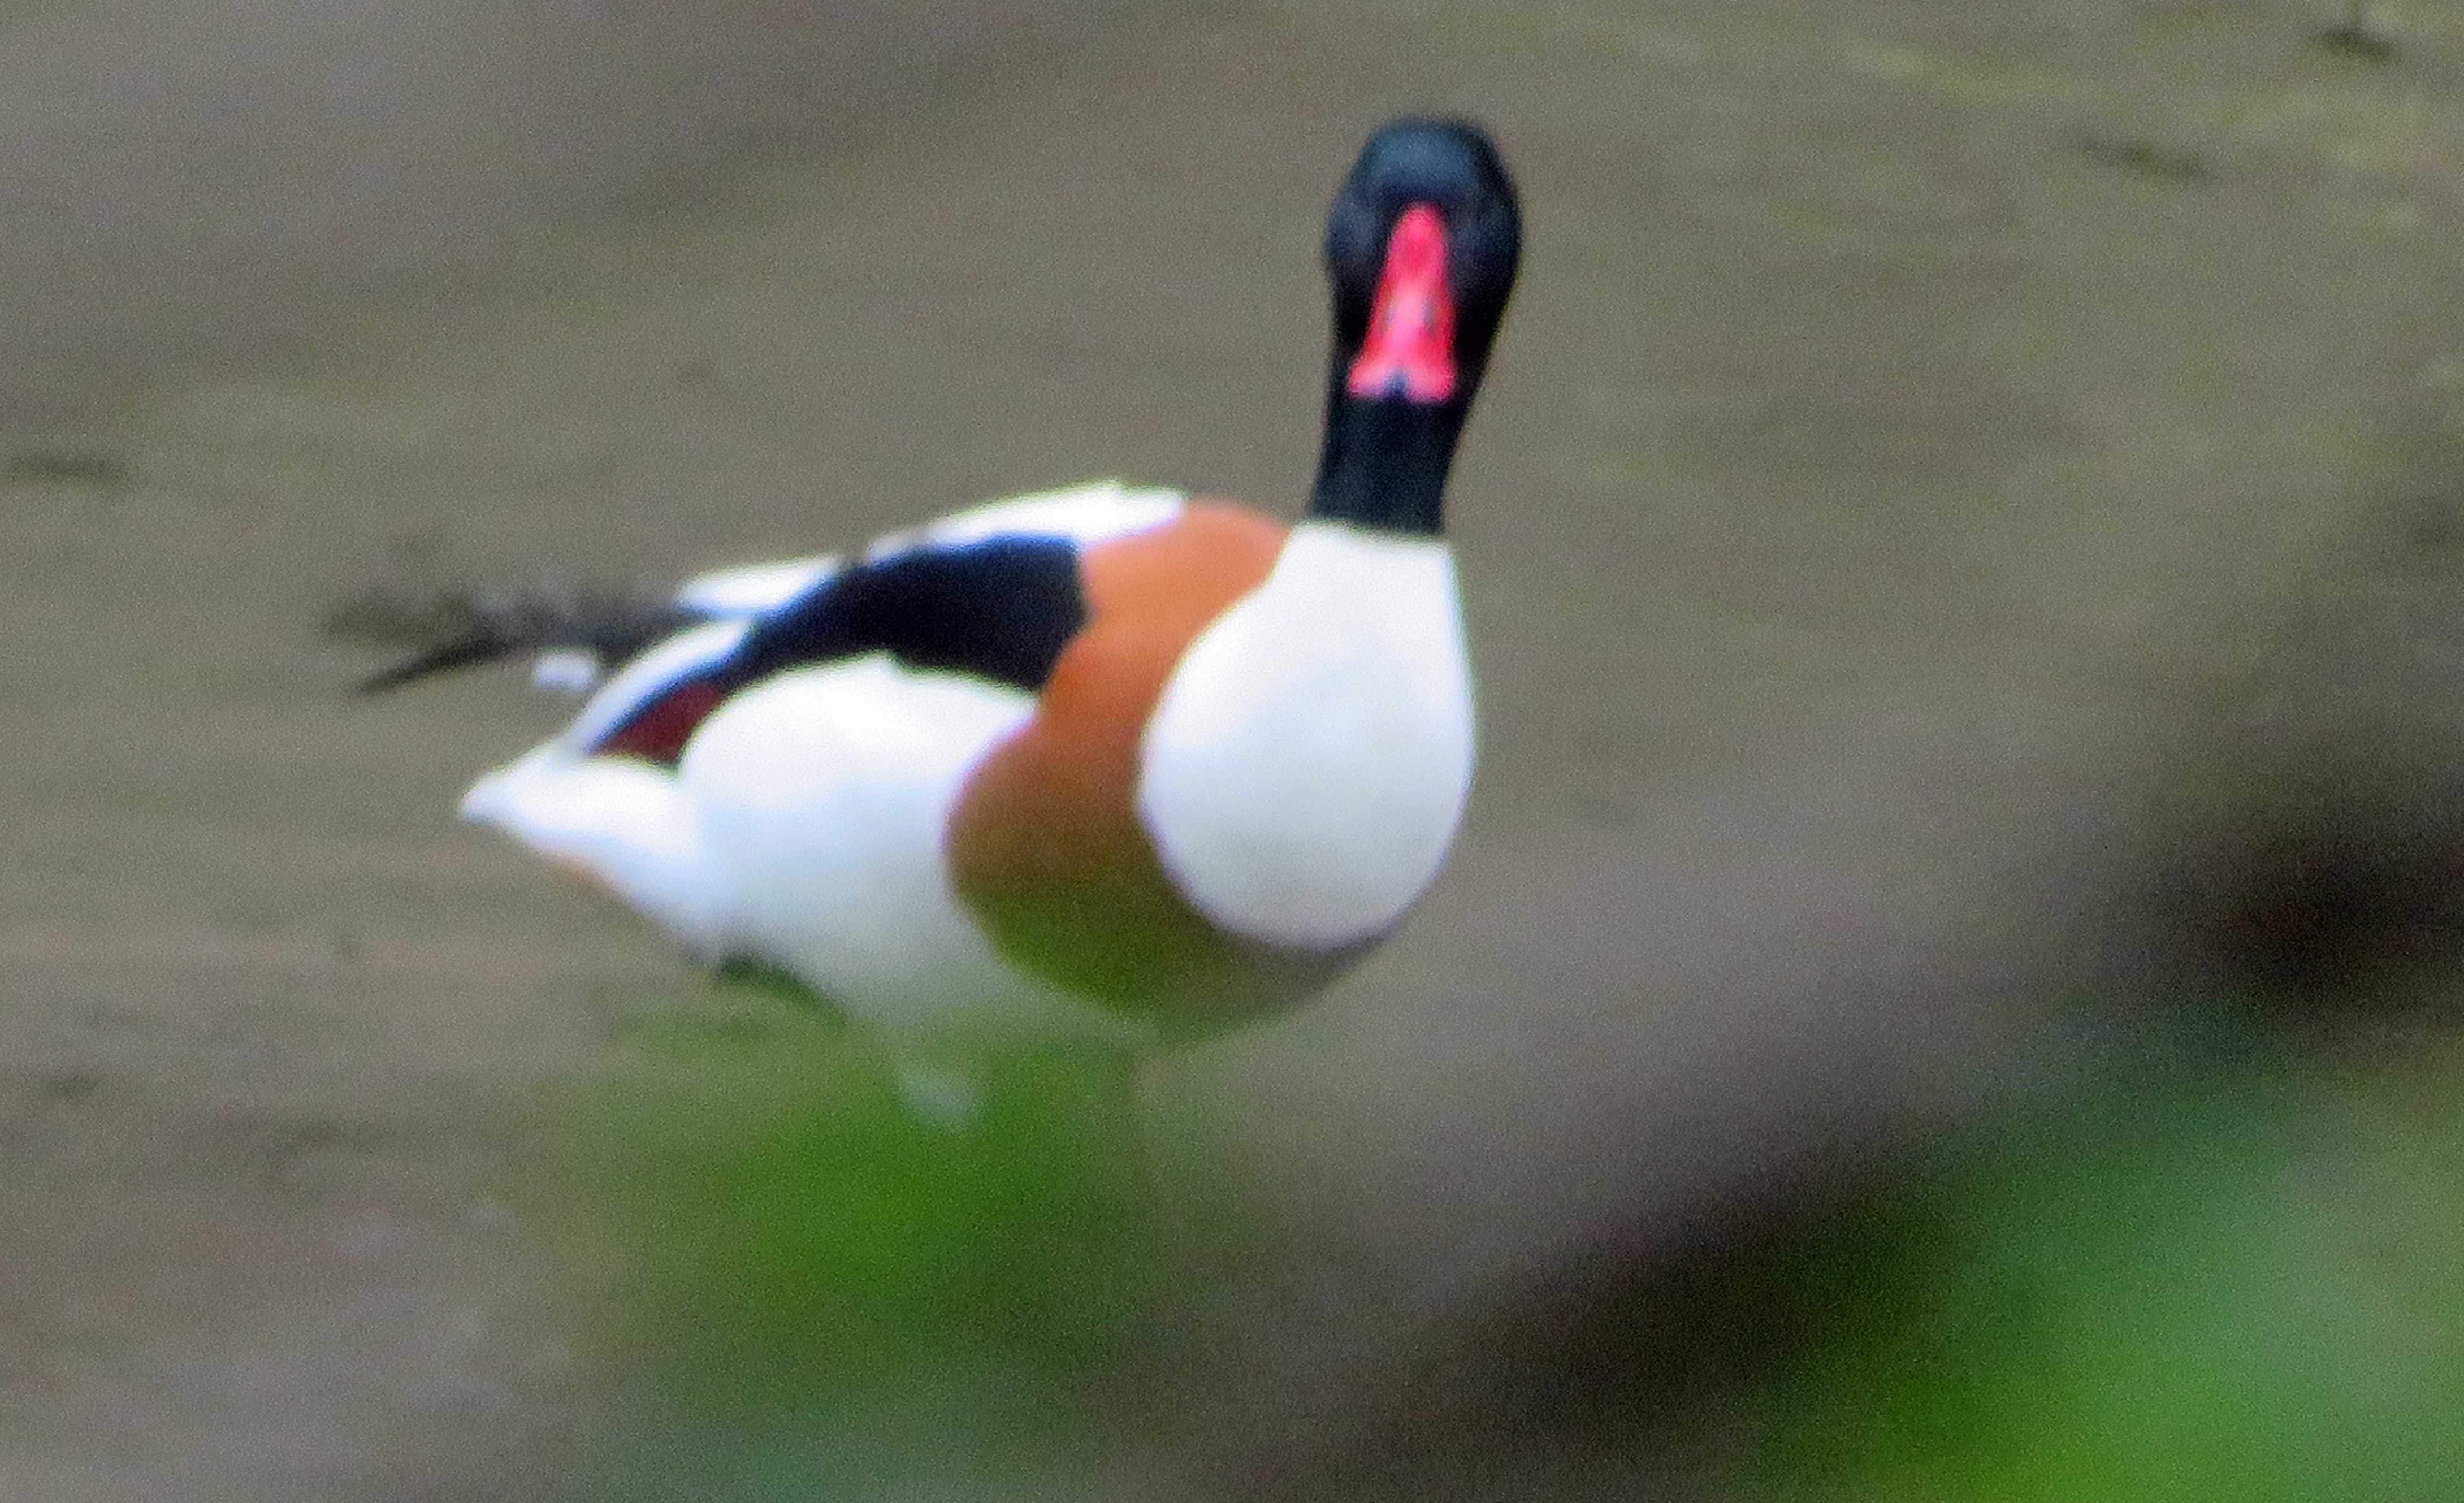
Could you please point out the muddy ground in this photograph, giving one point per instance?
(1921, 427)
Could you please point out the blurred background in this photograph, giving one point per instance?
(1952, 986)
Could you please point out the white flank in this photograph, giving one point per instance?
(1307, 767)
(824, 794)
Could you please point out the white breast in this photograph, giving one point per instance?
(1306, 766)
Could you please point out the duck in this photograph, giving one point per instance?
(1108, 758)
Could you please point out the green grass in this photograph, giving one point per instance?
(2246, 1289)
(761, 1194)
(2244, 1282)
(795, 1286)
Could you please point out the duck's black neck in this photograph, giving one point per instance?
(1385, 461)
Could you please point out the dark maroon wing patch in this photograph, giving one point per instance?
(657, 731)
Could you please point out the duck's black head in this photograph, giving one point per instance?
(1420, 248)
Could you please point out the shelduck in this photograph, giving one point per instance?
(1107, 757)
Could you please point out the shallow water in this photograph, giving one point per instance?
(1913, 422)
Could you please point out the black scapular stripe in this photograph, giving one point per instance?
(1000, 609)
